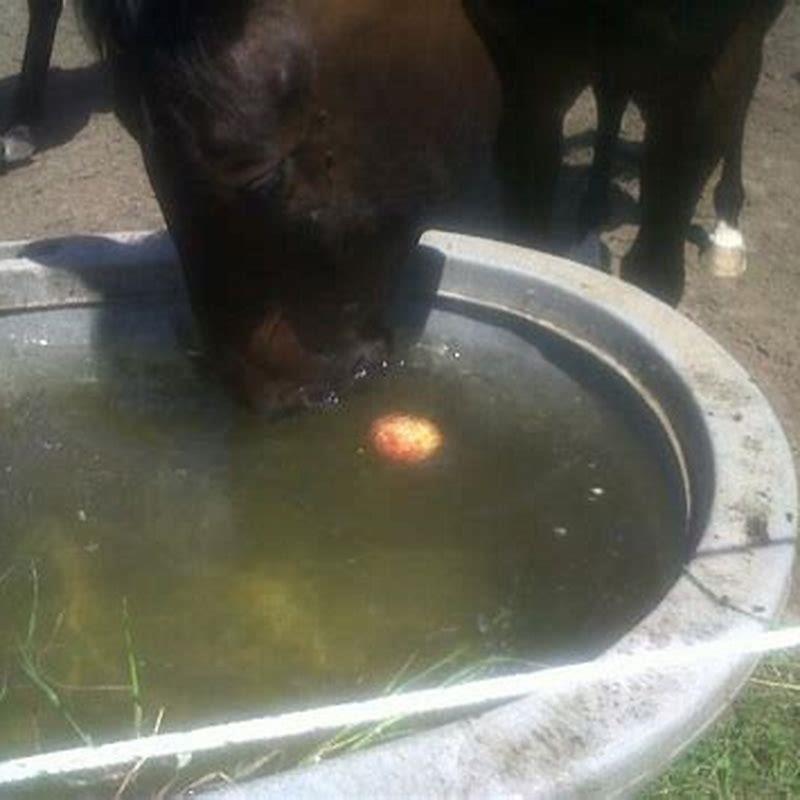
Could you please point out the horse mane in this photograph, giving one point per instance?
(117, 26)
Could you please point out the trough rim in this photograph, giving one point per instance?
(608, 740)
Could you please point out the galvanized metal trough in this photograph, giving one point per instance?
(607, 739)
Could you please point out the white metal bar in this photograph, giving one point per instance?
(298, 723)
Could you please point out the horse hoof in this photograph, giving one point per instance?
(16, 145)
(664, 281)
(726, 257)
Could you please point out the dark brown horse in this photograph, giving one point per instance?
(691, 66)
(298, 147)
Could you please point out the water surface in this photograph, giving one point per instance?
(267, 566)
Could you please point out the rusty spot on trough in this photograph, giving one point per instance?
(757, 532)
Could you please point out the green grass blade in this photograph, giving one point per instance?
(400, 674)
(49, 693)
(33, 616)
(133, 669)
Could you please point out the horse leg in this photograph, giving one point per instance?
(594, 208)
(726, 255)
(18, 141)
(690, 128)
(680, 153)
(530, 145)
(533, 52)
(529, 158)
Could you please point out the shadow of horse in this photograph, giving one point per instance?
(106, 273)
(143, 271)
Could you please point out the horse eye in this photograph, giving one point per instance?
(268, 184)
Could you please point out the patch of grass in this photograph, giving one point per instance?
(459, 666)
(753, 752)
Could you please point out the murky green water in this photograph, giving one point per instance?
(272, 566)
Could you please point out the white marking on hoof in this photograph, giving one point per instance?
(727, 256)
(16, 145)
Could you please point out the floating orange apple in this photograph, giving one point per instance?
(405, 438)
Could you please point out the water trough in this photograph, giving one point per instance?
(737, 487)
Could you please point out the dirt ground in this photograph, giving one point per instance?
(89, 178)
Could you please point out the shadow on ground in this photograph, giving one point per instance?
(72, 97)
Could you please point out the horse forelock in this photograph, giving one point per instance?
(112, 24)
(132, 25)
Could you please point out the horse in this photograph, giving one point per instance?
(298, 150)
(298, 147)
